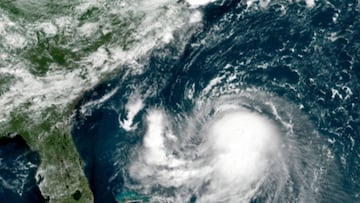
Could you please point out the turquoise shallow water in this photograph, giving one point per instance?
(157, 76)
(295, 66)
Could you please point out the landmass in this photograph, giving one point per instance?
(60, 176)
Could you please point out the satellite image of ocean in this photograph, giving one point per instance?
(180, 101)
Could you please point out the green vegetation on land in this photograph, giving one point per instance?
(60, 174)
(47, 130)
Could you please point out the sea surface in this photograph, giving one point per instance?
(200, 101)
(295, 66)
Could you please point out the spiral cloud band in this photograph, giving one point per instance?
(245, 144)
(231, 107)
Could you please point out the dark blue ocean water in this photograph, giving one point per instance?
(18, 166)
(301, 55)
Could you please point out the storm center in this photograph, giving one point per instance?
(243, 143)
